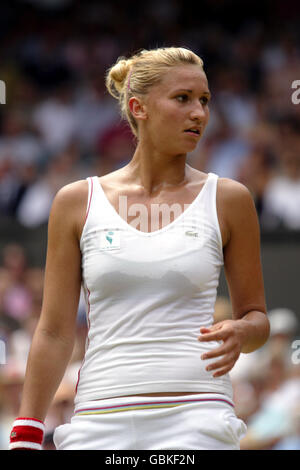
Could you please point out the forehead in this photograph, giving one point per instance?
(184, 76)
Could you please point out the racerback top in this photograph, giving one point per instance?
(147, 295)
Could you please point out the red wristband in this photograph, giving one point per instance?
(27, 433)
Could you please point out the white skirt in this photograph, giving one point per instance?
(206, 421)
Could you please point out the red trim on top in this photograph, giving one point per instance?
(88, 340)
(90, 200)
(88, 320)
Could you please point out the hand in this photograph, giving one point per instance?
(231, 333)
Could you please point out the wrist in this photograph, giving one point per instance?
(244, 332)
(254, 330)
(27, 433)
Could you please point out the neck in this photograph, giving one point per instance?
(154, 171)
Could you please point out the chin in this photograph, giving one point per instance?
(190, 147)
(183, 148)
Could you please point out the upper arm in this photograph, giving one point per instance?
(242, 257)
(62, 280)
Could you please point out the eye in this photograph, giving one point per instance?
(204, 100)
(183, 98)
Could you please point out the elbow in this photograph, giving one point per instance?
(56, 337)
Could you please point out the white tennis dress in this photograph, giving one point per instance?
(147, 295)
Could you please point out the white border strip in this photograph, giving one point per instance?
(29, 422)
(25, 444)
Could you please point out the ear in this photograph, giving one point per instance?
(138, 108)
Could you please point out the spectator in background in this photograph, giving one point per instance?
(21, 151)
(9, 186)
(94, 110)
(271, 385)
(11, 385)
(55, 119)
(20, 302)
(20, 338)
(19, 139)
(234, 99)
(114, 146)
(227, 152)
(61, 169)
(274, 421)
(281, 198)
(292, 440)
(15, 294)
(256, 172)
(281, 66)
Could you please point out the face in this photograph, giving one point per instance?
(176, 110)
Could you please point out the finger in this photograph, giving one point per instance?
(220, 351)
(227, 360)
(205, 329)
(217, 365)
(223, 371)
(218, 335)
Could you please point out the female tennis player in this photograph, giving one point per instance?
(147, 243)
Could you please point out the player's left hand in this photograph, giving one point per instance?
(230, 332)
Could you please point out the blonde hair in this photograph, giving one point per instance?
(135, 75)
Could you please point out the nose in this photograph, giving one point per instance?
(199, 112)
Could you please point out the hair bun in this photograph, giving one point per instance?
(117, 75)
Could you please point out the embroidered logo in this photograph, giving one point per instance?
(191, 233)
(110, 240)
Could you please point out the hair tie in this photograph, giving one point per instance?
(128, 83)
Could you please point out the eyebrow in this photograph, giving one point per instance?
(191, 91)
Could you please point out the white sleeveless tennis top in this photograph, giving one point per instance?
(147, 295)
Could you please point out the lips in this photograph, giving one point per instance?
(193, 131)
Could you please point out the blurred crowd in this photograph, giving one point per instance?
(59, 125)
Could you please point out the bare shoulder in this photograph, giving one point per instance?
(69, 205)
(231, 190)
(72, 192)
(236, 206)
(234, 195)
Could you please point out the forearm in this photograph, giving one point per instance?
(47, 362)
(254, 330)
